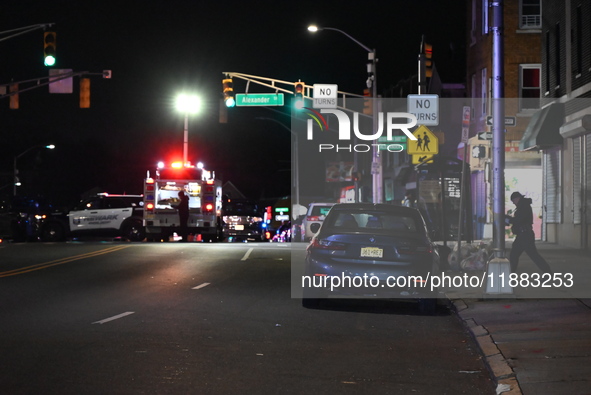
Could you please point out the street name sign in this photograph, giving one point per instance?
(425, 108)
(394, 139)
(425, 144)
(324, 95)
(509, 121)
(393, 147)
(259, 99)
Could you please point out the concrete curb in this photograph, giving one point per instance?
(500, 370)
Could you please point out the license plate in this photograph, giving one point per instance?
(239, 227)
(372, 252)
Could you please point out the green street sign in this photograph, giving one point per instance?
(259, 99)
(395, 139)
(394, 147)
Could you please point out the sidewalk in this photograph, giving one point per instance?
(536, 346)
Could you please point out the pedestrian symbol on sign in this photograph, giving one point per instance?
(426, 142)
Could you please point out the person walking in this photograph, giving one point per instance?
(183, 209)
(522, 227)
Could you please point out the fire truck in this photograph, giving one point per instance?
(161, 197)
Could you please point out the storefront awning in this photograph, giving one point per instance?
(543, 130)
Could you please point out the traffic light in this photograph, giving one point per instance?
(428, 49)
(228, 91)
(298, 95)
(85, 93)
(367, 102)
(14, 98)
(49, 48)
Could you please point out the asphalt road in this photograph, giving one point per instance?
(175, 318)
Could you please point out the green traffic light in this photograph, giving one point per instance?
(299, 103)
(49, 60)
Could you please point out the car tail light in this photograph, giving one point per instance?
(312, 218)
(324, 244)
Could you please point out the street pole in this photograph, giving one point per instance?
(376, 157)
(498, 143)
(498, 267)
(186, 140)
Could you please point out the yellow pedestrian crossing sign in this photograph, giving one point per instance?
(425, 144)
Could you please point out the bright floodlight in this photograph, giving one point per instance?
(200, 165)
(313, 28)
(188, 104)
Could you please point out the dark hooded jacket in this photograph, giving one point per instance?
(523, 218)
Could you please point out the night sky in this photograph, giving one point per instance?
(157, 49)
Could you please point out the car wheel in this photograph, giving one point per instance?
(53, 232)
(134, 231)
(428, 306)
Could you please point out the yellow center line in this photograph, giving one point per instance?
(60, 261)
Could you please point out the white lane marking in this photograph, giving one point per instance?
(245, 257)
(201, 286)
(115, 317)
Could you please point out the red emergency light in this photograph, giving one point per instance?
(150, 206)
(149, 181)
(209, 207)
(176, 165)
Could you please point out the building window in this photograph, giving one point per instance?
(474, 27)
(484, 16)
(557, 55)
(473, 95)
(529, 86)
(483, 92)
(530, 11)
(547, 66)
(578, 64)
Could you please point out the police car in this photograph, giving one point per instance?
(107, 214)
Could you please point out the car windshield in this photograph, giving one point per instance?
(374, 221)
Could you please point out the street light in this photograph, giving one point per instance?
(187, 104)
(15, 170)
(376, 165)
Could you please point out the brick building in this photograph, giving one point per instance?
(561, 129)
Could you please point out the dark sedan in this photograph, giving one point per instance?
(374, 250)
